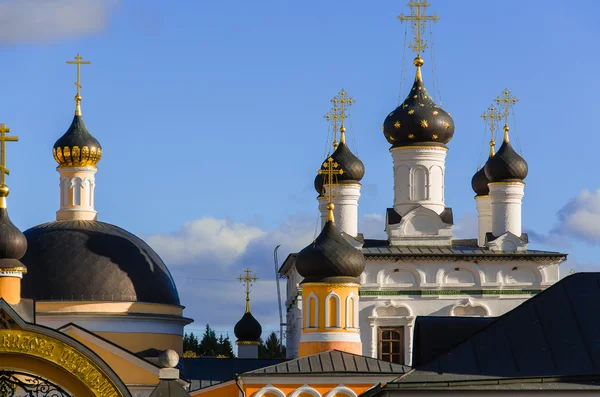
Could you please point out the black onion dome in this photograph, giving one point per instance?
(506, 165)
(94, 261)
(330, 258)
(77, 147)
(13, 243)
(479, 182)
(418, 120)
(354, 169)
(248, 329)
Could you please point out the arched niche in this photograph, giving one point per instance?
(341, 391)
(401, 278)
(469, 310)
(269, 391)
(519, 275)
(392, 311)
(305, 391)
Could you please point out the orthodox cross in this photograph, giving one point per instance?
(247, 279)
(344, 101)
(418, 19)
(330, 169)
(78, 62)
(333, 117)
(3, 138)
(492, 116)
(506, 100)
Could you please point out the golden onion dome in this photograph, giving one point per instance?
(77, 147)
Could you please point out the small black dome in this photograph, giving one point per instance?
(13, 243)
(418, 120)
(354, 169)
(77, 147)
(506, 165)
(94, 261)
(248, 329)
(480, 181)
(330, 258)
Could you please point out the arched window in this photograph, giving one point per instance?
(77, 191)
(419, 184)
(351, 312)
(332, 310)
(312, 311)
(64, 186)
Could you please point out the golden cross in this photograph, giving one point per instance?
(333, 117)
(492, 116)
(3, 138)
(247, 279)
(78, 62)
(418, 20)
(506, 101)
(344, 101)
(330, 169)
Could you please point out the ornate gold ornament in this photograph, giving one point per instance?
(434, 137)
(78, 62)
(247, 279)
(330, 169)
(447, 125)
(411, 136)
(418, 20)
(397, 124)
(424, 123)
(492, 117)
(3, 170)
(411, 111)
(506, 100)
(435, 113)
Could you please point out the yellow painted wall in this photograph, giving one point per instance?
(321, 290)
(128, 372)
(225, 390)
(138, 341)
(10, 289)
(106, 307)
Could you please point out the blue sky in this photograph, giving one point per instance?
(211, 119)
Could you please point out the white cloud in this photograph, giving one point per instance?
(580, 217)
(466, 226)
(48, 20)
(216, 241)
(372, 226)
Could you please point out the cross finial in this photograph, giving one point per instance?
(418, 19)
(330, 169)
(342, 101)
(492, 116)
(3, 170)
(78, 61)
(506, 100)
(247, 279)
(333, 117)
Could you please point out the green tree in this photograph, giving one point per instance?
(271, 348)
(209, 345)
(190, 343)
(225, 347)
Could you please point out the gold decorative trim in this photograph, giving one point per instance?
(507, 183)
(77, 157)
(57, 352)
(420, 147)
(340, 285)
(20, 269)
(246, 343)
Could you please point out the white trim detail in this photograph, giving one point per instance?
(352, 297)
(305, 389)
(332, 295)
(341, 389)
(330, 337)
(116, 323)
(269, 389)
(309, 315)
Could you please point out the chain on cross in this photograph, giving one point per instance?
(418, 19)
(3, 139)
(247, 279)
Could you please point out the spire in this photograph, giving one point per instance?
(78, 62)
(418, 19)
(330, 169)
(3, 170)
(506, 100)
(247, 279)
(492, 116)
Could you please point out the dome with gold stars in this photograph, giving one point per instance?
(354, 169)
(77, 147)
(418, 120)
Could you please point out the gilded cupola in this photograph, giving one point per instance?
(77, 147)
(418, 120)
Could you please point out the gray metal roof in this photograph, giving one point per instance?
(331, 362)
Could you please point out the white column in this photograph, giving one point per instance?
(345, 214)
(323, 210)
(506, 207)
(419, 177)
(484, 216)
(248, 350)
(76, 193)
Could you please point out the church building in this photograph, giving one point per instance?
(421, 269)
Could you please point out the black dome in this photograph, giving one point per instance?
(418, 120)
(94, 261)
(330, 258)
(480, 181)
(506, 165)
(248, 329)
(354, 169)
(13, 243)
(77, 146)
